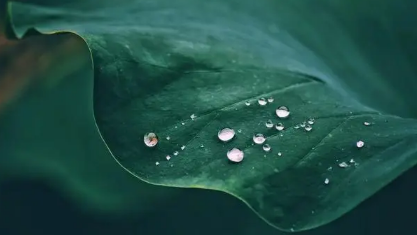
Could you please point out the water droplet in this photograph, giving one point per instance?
(360, 144)
(343, 165)
(276, 170)
(279, 154)
(240, 130)
(183, 123)
(310, 121)
(279, 126)
(156, 163)
(269, 124)
(247, 103)
(303, 124)
(176, 153)
(330, 168)
(282, 112)
(327, 181)
(193, 116)
(270, 99)
(235, 155)
(150, 139)
(202, 146)
(367, 123)
(183, 147)
(168, 137)
(297, 127)
(266, 147)
(226, 134)
(262, 101)
(168, 157)
(259, 139)
(308, 128)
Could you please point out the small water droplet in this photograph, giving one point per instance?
(282, 112)
(276, 170)
(168, 137)
(270, 99)
(239, 131)
(247, 103)
(367, 123)
(343, 165)
(360, 144)
(183, 147)
(168, 157)
(352, 160)
(292, 229)
(279, 126)
(269, 124)
(327, 181)
(226, 134)
(308, 128)
(156, 163)
(279, 154)
(303, 124)
(176, 127)
(311, 121)
(262, 101)
(183, 123)
(235, 155)
(150, 139)
(297, 127)
(266, 147)
(259, 139)
(330, 168)
(202, 146)
(176, 153)
(193, 116)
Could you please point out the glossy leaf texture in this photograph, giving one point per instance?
(157, 63)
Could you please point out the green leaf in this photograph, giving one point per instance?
(157, 63)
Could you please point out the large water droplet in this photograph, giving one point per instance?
(360, 144)
(235, 155)
(259, 139)
(271, 99)
(226, 134)
(269, 124)
(266, 147)
(279, 126)
(282, 112)
(327, 181)
(150, 139)
(262, 101)
(308, 128)
(343, 165)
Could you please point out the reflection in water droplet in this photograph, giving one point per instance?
(310, 121)
(270, 99)
(156, 163)
(367, 123)
(266, 147)
(262, 101)
(259, 139)
(247, 103)
(193, 116)
(360, 144)
(176, 153)
(226, 134)
(269, 124)
(279, 154)
(183, 147)
(150, 139)
(168, 157)
(235, 155)
(279, 126)
(327, 181)
(282, 112)
(308, 128)
(343, 165)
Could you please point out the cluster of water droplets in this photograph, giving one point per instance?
(236, 155)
